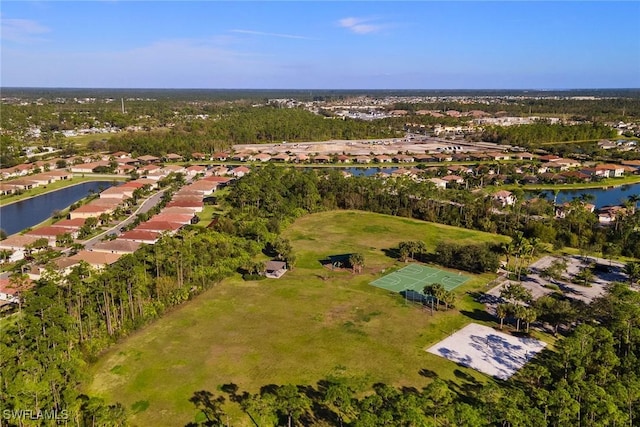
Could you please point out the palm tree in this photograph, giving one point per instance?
(357, 262)
(529, 316)
(634, 199)
(519, 312)
(5, 254)
(502, 310)
(436, 290)
(104, 218)
(449, 298)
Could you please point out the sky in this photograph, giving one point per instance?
(320, 44)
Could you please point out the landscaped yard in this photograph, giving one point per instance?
(311, 324)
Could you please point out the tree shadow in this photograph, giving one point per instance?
(428, 373)
(210, 406)
(391, 252)
(336, 262)
(465, 376)
(478, 315)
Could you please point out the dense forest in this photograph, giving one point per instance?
(531, 135)
(575, 109)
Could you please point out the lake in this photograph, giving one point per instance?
(27, 213)
(602, 196)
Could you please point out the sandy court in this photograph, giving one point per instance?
(487, 350)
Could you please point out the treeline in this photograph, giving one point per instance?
(532, 134)
(591, 379)
(613, 108)
(473, 258)
(271, 195)
(247, 126)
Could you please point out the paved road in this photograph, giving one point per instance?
(146, 206)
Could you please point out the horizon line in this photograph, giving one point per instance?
(322, 89)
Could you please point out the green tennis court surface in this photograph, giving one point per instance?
(415, 277)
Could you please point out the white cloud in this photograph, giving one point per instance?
(361, 25)
(22, 30)
(261, 33)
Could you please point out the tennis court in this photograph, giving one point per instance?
(414, 277)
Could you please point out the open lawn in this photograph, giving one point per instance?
(311, 324)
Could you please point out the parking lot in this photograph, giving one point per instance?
(606, 273)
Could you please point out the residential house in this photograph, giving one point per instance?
(173, 157)
(141, 236)
(95, 208)
(118, 193)
(201, 156)
(22, 184)
(524, 156)
(424, 158)
(240, 171)
(195, 170)
(50, 233)
(10, 292)
(608, 214)
(402, 158)
(149, 169)
(548, 158)
(160, 226)
(439, 183)
(504, 198)
(322, 159)
(147, 159)
(88, 167)
(282, 158)
(174, 169)
(17, 244)
(451, 179)
(262, 157)
(242, 157)
(301, 158)
(124, 169)
(69, 224)
(496, 156)
(97, 260)
(117, 246)
(222, 181)
(184, 218)
(220, 156)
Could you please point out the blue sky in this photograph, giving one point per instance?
(321, 45)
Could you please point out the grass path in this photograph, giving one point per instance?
(309, 325)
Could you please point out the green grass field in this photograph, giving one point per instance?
(311, 324)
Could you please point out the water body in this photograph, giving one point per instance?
(367, 171)
(27, 213)
(602, 196)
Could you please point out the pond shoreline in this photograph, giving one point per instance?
(83, 179)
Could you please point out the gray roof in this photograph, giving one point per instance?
(275, 265)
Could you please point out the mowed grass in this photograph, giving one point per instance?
(311, 324)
